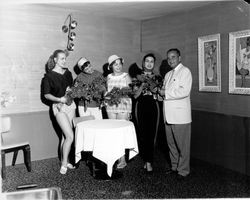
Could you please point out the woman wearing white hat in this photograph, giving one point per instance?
(119, 79)
(87, 75)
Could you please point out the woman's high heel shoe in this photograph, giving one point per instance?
(70, 166)
(149, 168)
(63, 169)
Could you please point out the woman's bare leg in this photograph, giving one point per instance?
(122, 161)
(68, 134)
(61, 148)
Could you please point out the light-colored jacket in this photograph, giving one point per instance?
(177, 106)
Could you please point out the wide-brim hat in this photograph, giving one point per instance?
(113, 58)
(81, 62)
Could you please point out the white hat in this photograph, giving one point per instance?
(81, 62)
(113, 58)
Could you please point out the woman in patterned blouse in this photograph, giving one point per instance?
(119, 79)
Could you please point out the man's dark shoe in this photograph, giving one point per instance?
(170, 171)
(149, 172)
(181, 178)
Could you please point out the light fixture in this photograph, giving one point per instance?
(70, 46)
(73, 24)
(67, 29)
(72, 36)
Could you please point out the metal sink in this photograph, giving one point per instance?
(33, 194)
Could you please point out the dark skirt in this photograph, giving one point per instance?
(147, 114)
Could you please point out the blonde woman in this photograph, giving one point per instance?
(55, 83)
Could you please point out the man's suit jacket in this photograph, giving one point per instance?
(177, 106)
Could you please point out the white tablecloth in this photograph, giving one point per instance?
(107, 139)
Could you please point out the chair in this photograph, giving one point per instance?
(77, 120)
(13, 147)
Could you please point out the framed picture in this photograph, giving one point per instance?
(239, 62)
(209, 63)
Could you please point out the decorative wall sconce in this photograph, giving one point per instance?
(68, 29)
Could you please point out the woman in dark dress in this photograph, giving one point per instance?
(147, 113)
(55, 83)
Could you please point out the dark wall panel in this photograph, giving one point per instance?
(221, 139)
(181, 30)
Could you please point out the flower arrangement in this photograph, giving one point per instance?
(150, 83)
(98, 88)
(116, 94)
(87, 92)
(95, 92)
(6, 99)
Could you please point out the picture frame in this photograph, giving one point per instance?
(209, 61)
(239, 62)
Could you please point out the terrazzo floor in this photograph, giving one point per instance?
(205, 181)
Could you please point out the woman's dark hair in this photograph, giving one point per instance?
(176, 50)
(51, 62)
(147, 55)
(85, 65)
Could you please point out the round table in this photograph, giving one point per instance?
(107, 139)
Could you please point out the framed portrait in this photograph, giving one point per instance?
(209, 63)
(239, 62)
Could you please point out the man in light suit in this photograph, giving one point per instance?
(177, 113)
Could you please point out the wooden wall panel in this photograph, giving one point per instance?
(181, 30)
(29, 35)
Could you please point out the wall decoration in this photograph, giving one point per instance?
(209, 63)
(239, 62)
(68, 29)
